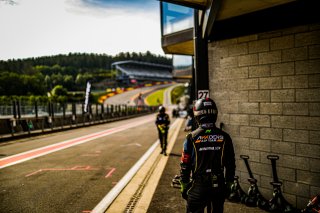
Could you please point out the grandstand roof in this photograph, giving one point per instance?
(143, 70)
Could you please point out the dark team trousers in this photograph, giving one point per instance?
(201, 196)
(163, 139)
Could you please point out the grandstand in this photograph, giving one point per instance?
(131, 72)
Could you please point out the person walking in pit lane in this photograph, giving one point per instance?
(162, 123)
(208, 158)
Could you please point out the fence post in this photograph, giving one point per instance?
(50, 114)
(14, 109)
(19, 109)
(102, 112)
(64, 110)
(111, 110)
(73, 116)
(36, 109)
(83, 115)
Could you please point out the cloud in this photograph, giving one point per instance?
(10, 2)
(48, 27)
(134, 4)
(100, 8)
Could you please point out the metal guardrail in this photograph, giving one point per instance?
(18, 109)
(20, 121)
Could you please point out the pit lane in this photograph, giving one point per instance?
(74, 179)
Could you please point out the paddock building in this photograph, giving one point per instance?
(260, 63)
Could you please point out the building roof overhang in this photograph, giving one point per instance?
(214, 12)
(230, 8)
(178, 43)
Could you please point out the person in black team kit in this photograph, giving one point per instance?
(163, 122)
(208, 159)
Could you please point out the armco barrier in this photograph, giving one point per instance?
(24, 126)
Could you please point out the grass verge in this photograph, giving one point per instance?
(156, 98)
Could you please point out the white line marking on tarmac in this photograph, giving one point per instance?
(75, 168)
(132, 144)
(110, 172)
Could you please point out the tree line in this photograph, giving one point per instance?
(38, 76)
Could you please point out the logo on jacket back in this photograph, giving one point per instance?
(209, 138)
(162, 118)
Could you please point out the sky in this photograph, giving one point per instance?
(35, 28)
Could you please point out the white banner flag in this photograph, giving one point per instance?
(86, 101)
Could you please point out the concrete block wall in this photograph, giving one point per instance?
(267, 89)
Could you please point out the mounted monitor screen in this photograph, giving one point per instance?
(182, 66)
(176, 18)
